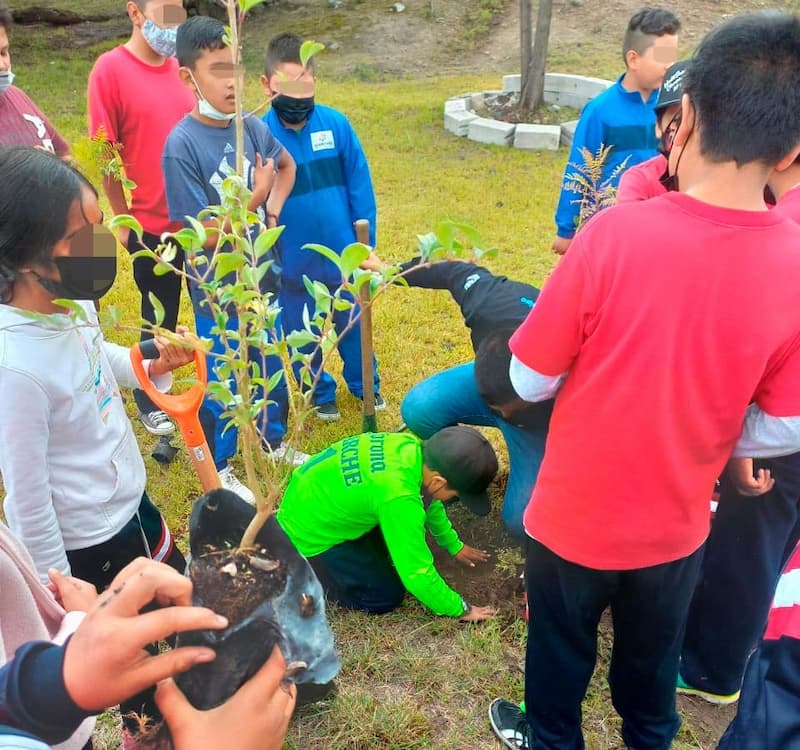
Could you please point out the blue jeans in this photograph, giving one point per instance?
(292, 302)
(450, 397)
(222, 442)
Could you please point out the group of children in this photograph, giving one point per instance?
(709, 359)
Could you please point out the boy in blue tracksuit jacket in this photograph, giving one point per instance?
(332, 189)
(623, 116)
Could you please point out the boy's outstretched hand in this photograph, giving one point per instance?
(740, 471)
(255, 718)
(105, 661)
(468, 556)
(560, 245)
(478, 614)
(374, 263)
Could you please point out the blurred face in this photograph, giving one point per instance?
(290, 79)
(214, 78)
(167, 14)
(82, 215)
(666, 127)
(5, 54)
(507, 411)
(651, 66)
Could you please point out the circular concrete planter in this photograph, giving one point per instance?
(559, 88)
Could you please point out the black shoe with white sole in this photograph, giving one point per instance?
(510, 725)
(327, 412)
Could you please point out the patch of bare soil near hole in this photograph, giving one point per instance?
(495, 583)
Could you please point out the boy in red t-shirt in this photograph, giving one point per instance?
(666, 357)
(21, 121)
(731, 601)
(135, 98)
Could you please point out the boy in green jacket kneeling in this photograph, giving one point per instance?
(359, 510)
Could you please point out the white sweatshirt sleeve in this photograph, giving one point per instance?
(24, 433)
(531, 385)
(765, 436)
(119, 357)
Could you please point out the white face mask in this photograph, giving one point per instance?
(6, 79)
(205, 108)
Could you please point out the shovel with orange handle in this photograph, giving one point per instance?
(369, 422)
(184, 408)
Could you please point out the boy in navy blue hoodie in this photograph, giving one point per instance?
(333, 189)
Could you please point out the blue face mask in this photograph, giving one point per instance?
(6, 79)
(161, 41)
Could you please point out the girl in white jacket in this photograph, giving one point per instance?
(70, 465)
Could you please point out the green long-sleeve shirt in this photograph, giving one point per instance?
(366, 481)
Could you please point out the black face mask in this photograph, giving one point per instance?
(292, 110)
(81, 278)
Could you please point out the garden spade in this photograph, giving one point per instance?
(369, 422)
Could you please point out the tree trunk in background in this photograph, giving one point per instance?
(534, 57)
(525, 51)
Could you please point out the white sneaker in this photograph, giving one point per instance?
(157, 423)
(231, 482)
(284, 452)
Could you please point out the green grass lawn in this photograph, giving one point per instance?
(409, 680)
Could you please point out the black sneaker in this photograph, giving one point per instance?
(380, 404)
(327, 412)
(510, 725)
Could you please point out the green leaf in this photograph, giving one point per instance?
(299, 339)
(162, 269)
(274, 381)
(247, 5)
(227, 262)
(144, 253)
(352, 257)
(74, 308)
(329, 341)
(199, 230)
(445, 232)
(187, 239)
(123, 220)
(469, 231)
(342, 304)
(158, 308)
(324, 251)
(266, 240)
(427, 244)
(308, 49)
(488, 254)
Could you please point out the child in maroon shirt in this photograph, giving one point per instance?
(21, 121)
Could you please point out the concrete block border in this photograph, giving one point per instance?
(559, 88)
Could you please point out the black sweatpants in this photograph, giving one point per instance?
(166, 289)
(751, 539)
(566, 601)
(360, 574)
(145, 535)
